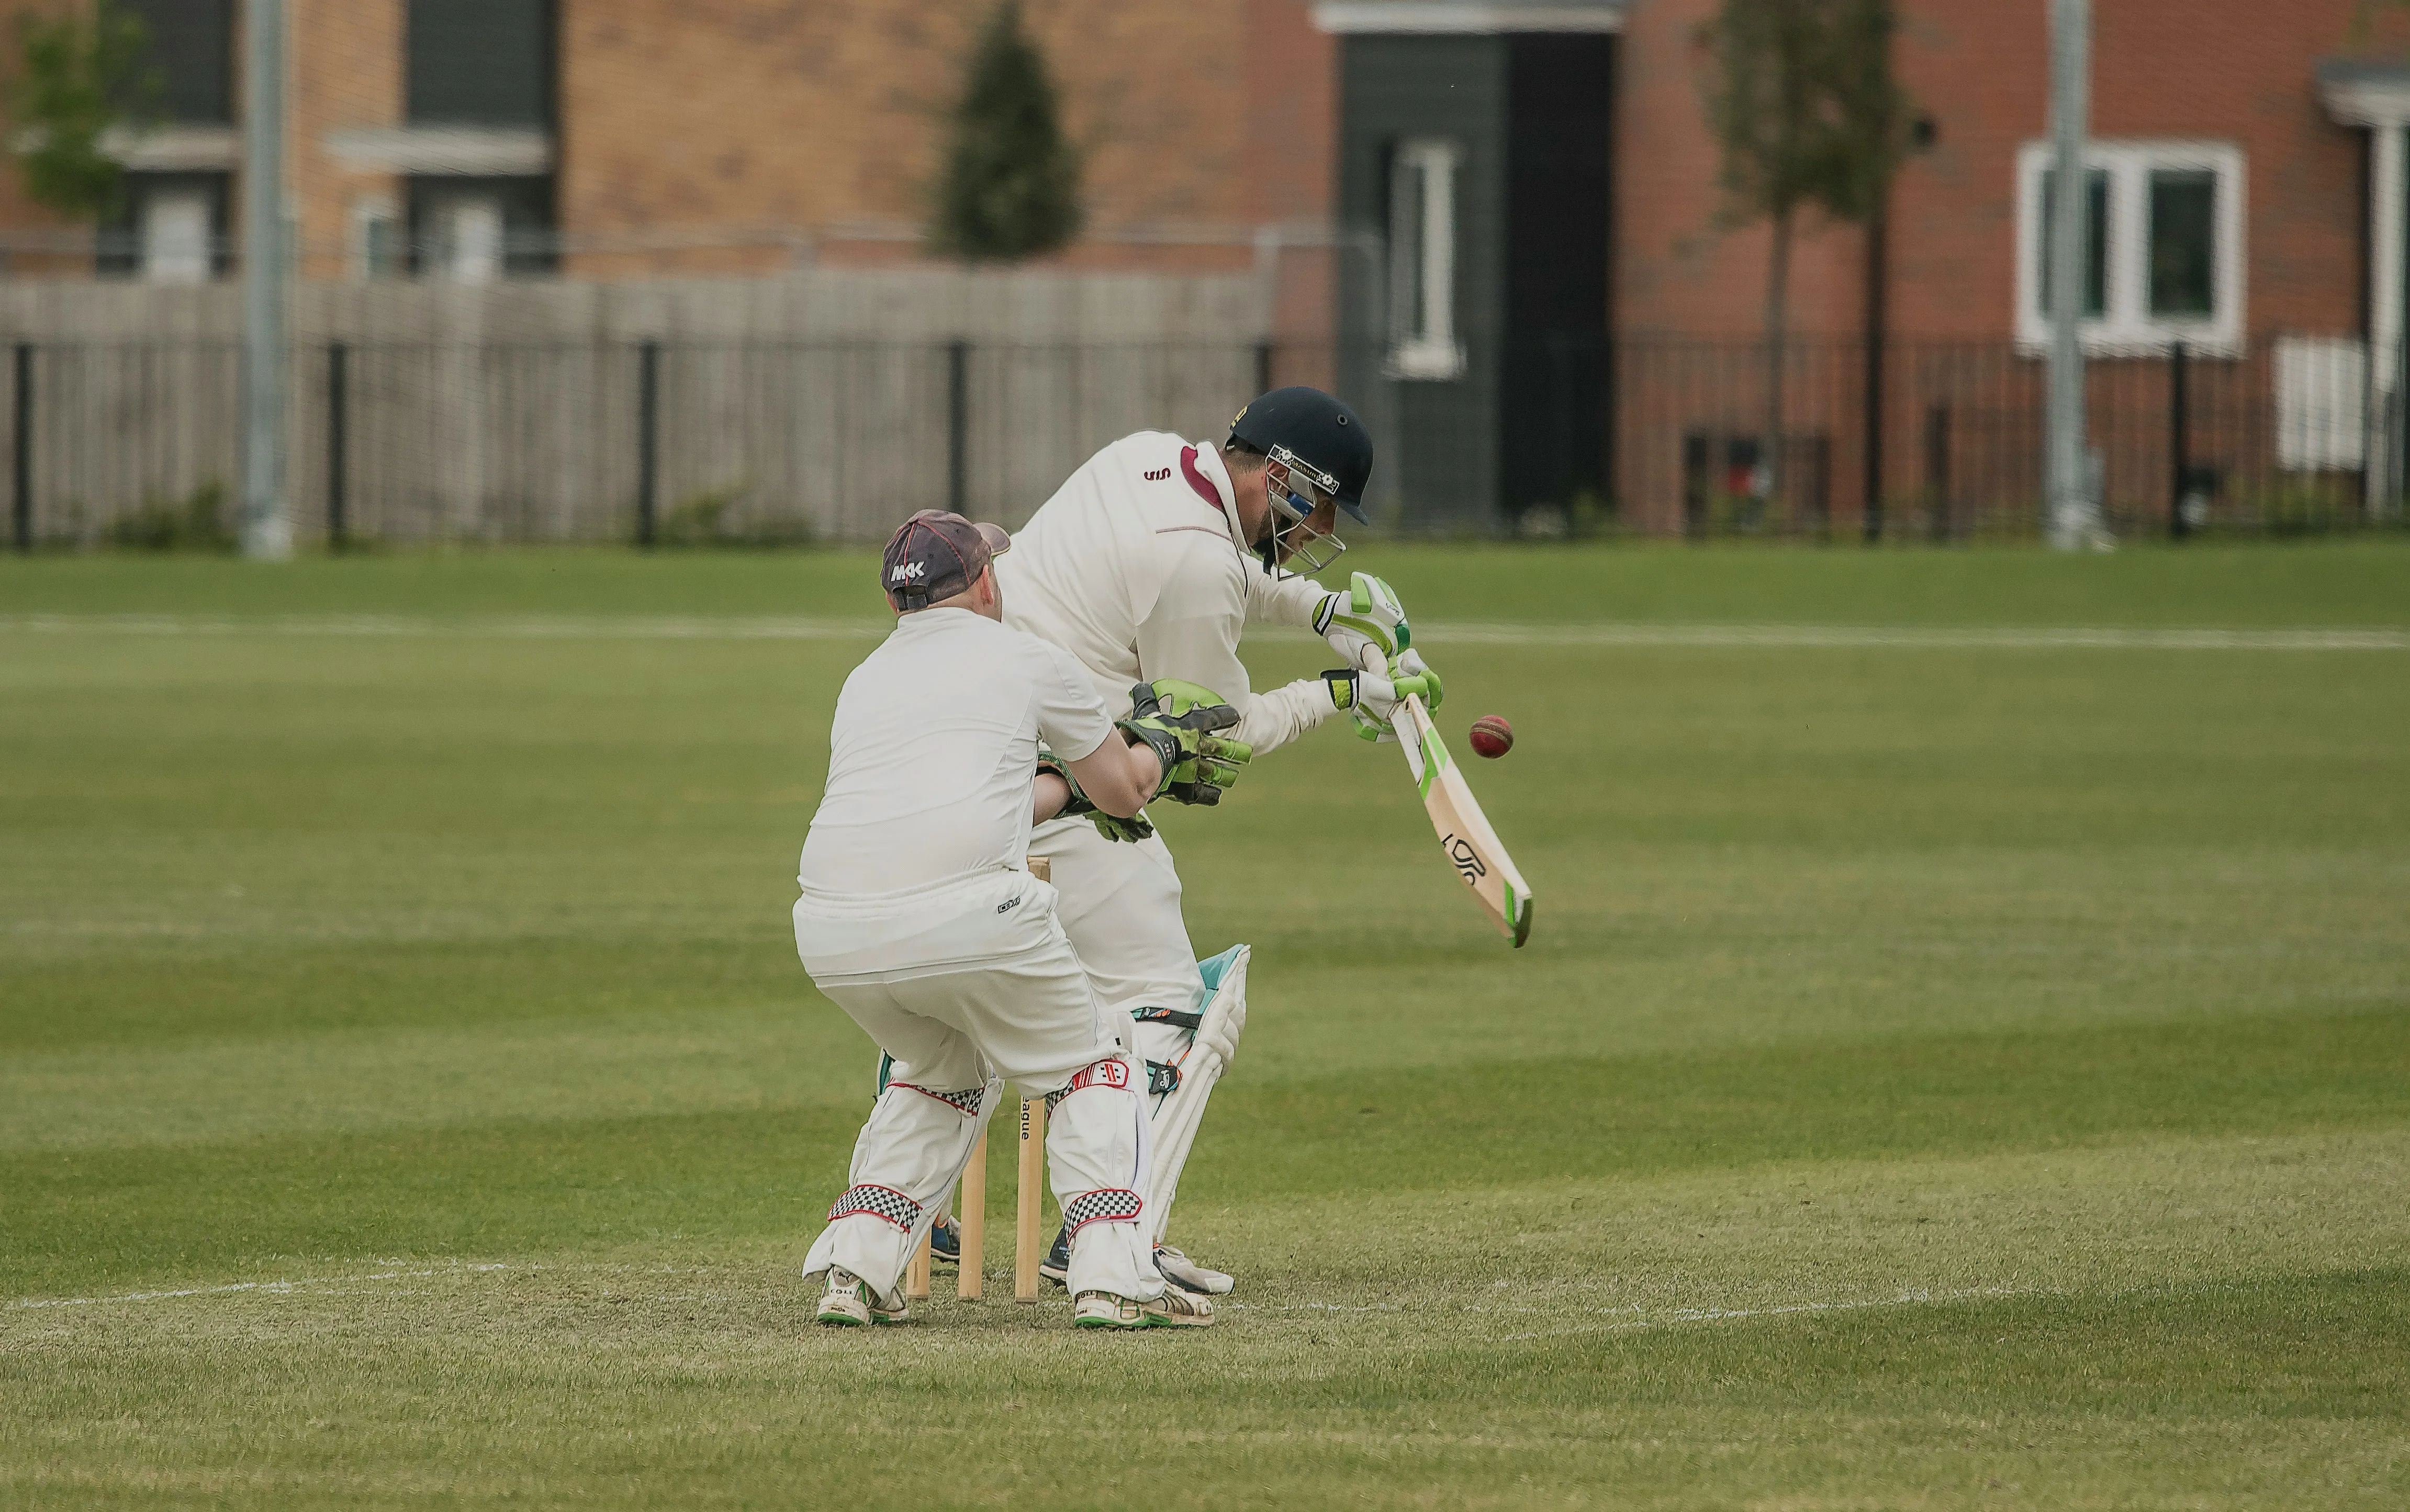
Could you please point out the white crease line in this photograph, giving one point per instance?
(320, 1285)
(698, 628)
(30, 1302)
(529, 627)
(1725, 1314)
(1972, 638)
(280, 1289)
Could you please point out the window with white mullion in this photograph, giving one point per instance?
(2165, 225)
(1422, 261)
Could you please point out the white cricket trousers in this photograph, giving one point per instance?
(966, 985)
(1120, 904)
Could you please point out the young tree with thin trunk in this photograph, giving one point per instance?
(1805, 110)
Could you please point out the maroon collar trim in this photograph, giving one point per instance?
(1197, 480)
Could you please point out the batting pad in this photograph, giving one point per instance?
(1211, 1049)
(909, 1155)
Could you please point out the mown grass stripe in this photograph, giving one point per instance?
(1501, 633)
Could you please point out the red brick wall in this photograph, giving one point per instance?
(1681, 269)
(2232, 70)
(1195, 117)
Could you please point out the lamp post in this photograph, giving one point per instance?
(2074, 513)
(266, 528)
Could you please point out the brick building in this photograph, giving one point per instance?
(1494, 221)
(621, 139)
(2247, 179)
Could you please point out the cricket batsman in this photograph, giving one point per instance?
(919, 919)
(1147, 563)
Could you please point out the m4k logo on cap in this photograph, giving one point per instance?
(907, 572)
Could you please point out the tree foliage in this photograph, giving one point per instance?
(78, 76)
(1011, 185)
(1804, 106)
(1805, 112)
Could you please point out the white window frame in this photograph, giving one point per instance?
(174, 231)
(468, 233)
(377, 250)
(1422, 331)
(2126, 325)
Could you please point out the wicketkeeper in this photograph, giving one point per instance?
(919, 918)
(1148, 564)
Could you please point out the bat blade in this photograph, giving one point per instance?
(1472, 848)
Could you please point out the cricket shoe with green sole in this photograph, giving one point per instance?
(1177, 1268)
(946, 1242)
(1175, 1308)
(849, 1303)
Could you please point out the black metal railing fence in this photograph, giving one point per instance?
(667, 442)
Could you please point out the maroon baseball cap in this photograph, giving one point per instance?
(936, 554)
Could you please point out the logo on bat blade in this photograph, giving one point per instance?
(1468, 864)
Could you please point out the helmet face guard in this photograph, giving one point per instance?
(1295, 489)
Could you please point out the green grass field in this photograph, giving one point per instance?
(1945, 1072)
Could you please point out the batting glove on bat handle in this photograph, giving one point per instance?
(1369, 699)
(1409, 665)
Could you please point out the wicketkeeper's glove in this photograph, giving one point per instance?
(1178, 720)
(1137, 826)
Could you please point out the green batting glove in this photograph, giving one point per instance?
(1409, 665)
(1370, 701)
(1177, 720)
(1367, 617)
(1137, 826)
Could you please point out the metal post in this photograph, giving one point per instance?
(20, 498)
(1936, 472)
(2388, 160)
(648, 414)
(339, 444)
(2073, 513)
(2179, 443)
(1263, 367)
(267, 531)
(1878, 323)
(958, 426)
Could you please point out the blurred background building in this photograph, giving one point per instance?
(589, 267)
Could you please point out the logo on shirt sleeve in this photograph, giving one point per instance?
(1156, 475)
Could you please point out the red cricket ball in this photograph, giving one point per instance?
(1492, 736)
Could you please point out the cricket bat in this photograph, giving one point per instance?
(1464, 834)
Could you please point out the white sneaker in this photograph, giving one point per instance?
(1188, 1275)
(1175, 1308)
(849, 1303)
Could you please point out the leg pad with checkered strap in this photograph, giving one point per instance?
(880, 1202)
(1106, 1205)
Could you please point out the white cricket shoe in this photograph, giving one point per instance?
(1188, 1275)
(849, 1303)
(1175, 1308)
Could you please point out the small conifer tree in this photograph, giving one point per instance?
(1011, 186)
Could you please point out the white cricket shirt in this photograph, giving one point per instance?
(1136, 567)
(933, 752)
